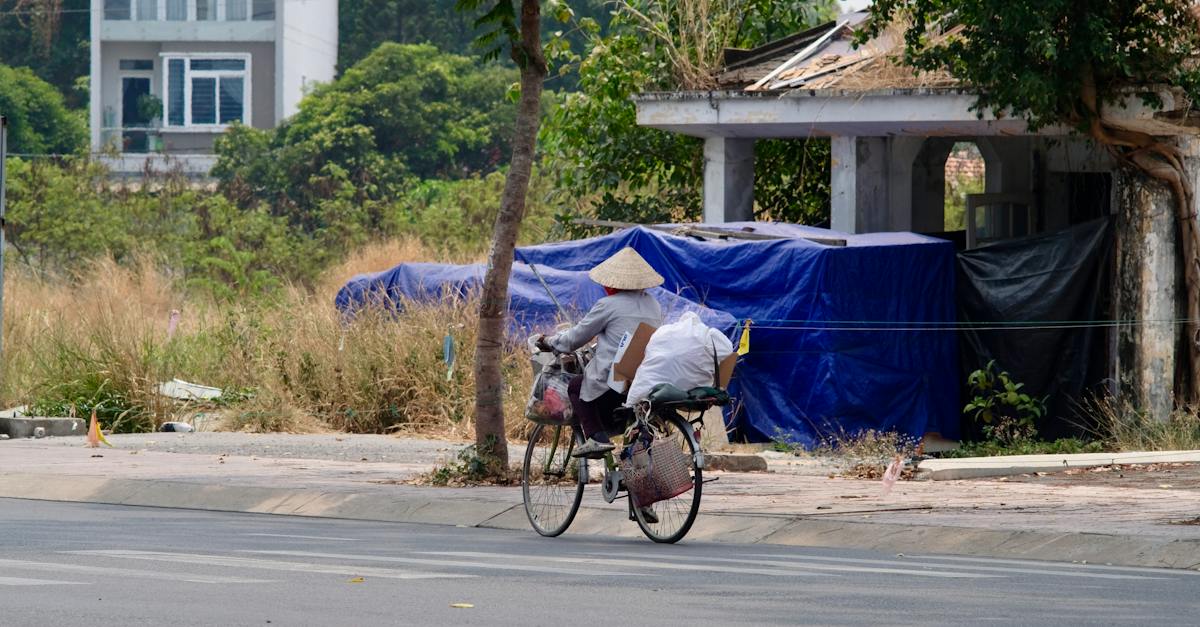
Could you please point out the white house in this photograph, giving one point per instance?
(209, 63)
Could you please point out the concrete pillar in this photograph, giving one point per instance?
(95, 82)
(1147, 293)
(859, 184)
(929, 186)
(728, 180)
(902, 157)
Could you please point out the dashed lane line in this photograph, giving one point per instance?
(243, 562)
(453, 563)
(19, 581)
(123, 572)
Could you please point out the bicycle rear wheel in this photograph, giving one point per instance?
(675, 515)
(552, 481)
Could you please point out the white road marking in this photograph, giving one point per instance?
(288, 535)
(804, 566)
(454, 563)
(245, 562)
(124, 572)
(635, 563)
(17, 581)
(999, 569)
(1164, 571)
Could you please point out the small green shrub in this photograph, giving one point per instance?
(1006, 412)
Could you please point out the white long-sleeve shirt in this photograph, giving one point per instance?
(608, 320)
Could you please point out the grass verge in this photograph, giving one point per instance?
(103, 339)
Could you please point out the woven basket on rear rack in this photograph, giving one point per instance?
(657, 473)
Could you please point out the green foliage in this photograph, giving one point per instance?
(1040, 59)
(58, 57)
(65, 215)
(457, 217)
(365, 24)
(996, 394)
(150, 107)
(466, 468)
(56, 217)
(608, 167)
(403, 112)
(235, 251)
(958, 186)
(38, 120)
(1007, 413)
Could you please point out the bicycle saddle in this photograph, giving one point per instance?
(696, 398)
(666, 393)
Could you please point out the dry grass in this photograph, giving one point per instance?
(1123, 427)
(866, 454)
(291, 363)
(694, 33)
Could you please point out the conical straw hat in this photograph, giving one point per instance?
(626, 270)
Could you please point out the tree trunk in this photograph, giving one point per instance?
(490, 441)
(1148, 292)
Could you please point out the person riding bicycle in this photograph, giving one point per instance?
(625, 278)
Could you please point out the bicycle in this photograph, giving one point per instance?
(552, 482)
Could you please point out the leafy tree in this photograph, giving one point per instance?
(38, 121)
(51, 38)
(609, 167)
(404, 111)
(56, 218)
(365, 24)
(1071, 62)
(234, 251)
(519, 29)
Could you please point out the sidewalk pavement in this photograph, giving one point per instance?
(1121, 516)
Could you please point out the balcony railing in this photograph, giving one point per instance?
(189, 10)
(134, 140)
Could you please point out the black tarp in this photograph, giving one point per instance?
(1057, 281)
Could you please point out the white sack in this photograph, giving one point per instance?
(681, 354)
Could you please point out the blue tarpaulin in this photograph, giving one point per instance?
(844, 338)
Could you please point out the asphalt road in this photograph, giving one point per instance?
(79, 564)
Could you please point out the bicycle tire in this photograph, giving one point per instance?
(551, 505)
(676, 515)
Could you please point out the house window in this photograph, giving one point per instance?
(147, 10)
(206, 10)
(235, 10)
(177, 10)
(116, 9)
(264, 9)
(137, 65)
(207, 90)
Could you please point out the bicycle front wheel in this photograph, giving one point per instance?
(674, 516)
(552, 481)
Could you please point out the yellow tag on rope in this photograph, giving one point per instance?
(744, 343)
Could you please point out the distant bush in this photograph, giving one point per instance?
(38, 120)
(404, 112)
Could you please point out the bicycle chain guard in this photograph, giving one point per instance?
(611, 485)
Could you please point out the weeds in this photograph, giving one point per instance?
(866, 454)
(100, 341)
(467, 468)
(1123, 427)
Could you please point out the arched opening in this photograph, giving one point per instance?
(966, 173)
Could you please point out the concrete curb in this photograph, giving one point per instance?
(54, 427)
(488, 511)
(978, 467)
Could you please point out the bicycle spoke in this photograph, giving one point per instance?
(550, 479)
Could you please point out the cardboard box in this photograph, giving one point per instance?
(627, 366)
